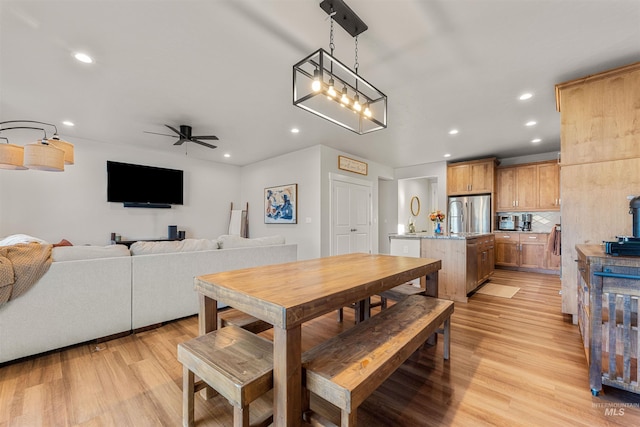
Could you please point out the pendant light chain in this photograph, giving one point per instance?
(356, 65)
(331, 45)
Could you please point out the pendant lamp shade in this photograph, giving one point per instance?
(12, 157)
(65, 146)
(44, 157)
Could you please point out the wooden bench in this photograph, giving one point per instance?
(236, 363)
(399, 293)
(347, 368)
(231, 316)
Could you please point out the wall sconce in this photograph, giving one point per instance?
(45, 154)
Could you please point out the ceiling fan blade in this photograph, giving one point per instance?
(203, 143)
(155, 133)
(210, 137)
(177, 132)
(180, 141)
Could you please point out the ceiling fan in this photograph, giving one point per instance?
(184, 135)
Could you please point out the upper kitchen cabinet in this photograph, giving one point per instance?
(473, 177)
(549, 186)
(528, 187)
(516, 188)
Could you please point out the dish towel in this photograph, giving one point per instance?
(555, 237)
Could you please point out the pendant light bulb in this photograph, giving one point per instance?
(356, 103)
(332, 90)
(345, 98)
(316, 85)
(367, 111)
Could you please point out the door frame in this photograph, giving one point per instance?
(349, 180)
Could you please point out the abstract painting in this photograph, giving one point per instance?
(281, 204)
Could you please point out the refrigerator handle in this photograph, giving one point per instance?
(470, 217)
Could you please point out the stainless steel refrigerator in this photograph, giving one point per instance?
(470, 214)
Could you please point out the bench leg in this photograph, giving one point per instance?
(340, 315)
(188, 396)
(348, 419)
(447, 340)
(241, 416)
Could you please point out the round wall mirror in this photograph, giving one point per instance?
(415, 206)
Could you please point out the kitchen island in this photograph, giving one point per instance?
(467, 258)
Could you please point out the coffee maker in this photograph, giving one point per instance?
(526, 222)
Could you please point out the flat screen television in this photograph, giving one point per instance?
(144, 186)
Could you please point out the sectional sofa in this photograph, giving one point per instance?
(93, 292)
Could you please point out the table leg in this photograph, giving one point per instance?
(287, 376)
(363, 310)
(207, 315)
(207, 322)
(431, 289)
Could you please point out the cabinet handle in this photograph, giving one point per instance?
(533, 237)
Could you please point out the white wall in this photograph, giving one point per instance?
(420, 188)
(300, 167)
(73, 204)
(387, 212)
(436, 173)
(375, 172)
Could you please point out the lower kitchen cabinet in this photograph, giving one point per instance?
(466, 263)
(526, 251)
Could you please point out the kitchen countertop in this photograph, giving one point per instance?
(520, 231)
(431, 235)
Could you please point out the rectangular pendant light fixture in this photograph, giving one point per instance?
(328, 88)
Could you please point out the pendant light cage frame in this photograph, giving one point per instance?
(324, 86)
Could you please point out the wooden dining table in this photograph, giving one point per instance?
(287, 295)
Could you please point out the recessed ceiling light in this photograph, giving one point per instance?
(536, 140)
(227, 155)
(525, 96)
(531, 123)
(453, 132)
(68, 123)
(83, 57)
(447, 155)
(295, 130)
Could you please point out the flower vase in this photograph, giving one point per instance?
(438, 228)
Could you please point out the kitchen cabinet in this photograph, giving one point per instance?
(467, 261)
(528, 187)
(485, 259)
(473, 177)
(549, 186)
(525, 251)
(600, 163)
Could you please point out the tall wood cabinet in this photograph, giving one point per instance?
(600, 163)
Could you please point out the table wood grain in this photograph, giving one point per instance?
(287, 295)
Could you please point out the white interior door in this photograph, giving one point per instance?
(351, 218)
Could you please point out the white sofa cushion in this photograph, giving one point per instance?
(186, 245)
(227, 241)
(73, 253)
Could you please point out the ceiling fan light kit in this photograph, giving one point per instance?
(356, 104)
(45, 154)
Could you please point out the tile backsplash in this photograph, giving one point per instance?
(542, 222)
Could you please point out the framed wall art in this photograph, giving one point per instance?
(281, 204)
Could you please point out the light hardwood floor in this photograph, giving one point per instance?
(515, 361)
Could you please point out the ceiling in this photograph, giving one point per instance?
(225, 68)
